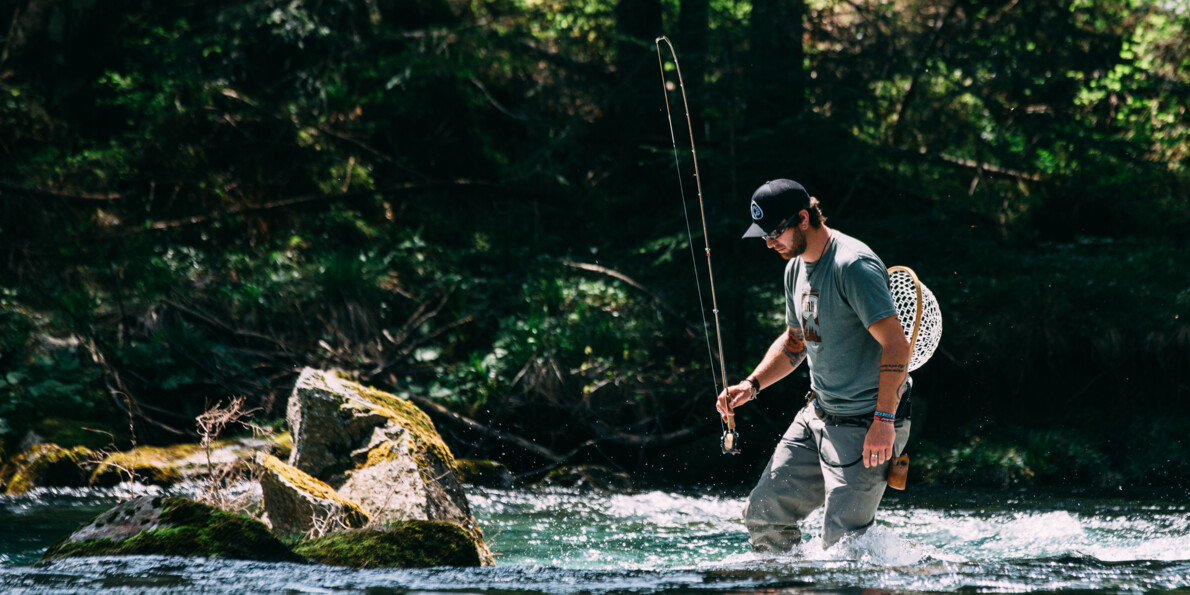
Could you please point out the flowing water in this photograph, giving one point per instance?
(567, 541)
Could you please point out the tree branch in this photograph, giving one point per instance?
(470, 424)
(594, 268)
(30, 192)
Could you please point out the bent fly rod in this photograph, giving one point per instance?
(730, 441)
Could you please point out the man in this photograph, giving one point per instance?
(840, 317)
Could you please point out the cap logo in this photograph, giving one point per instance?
(757, 214)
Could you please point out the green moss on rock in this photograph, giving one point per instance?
(410, 417)
(411, 544)
(155, 465)
(186, 528)
(353, 515)
(45, 464)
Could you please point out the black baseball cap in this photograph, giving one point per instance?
(773, 203)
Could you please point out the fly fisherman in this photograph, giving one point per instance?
(840, 318)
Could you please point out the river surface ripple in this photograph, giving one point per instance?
(569, 541)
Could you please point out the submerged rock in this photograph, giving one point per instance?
(172, 527)
(298, 504)
(589, 477)
(412, 544)
(483, 473)
(378, 450)
(45, 464)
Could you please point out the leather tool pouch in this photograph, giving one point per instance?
(898, 472)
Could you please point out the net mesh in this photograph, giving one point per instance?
(929, 333)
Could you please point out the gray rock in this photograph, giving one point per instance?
(123, 521)
(376, 449)
(298, 504)
(156, 525)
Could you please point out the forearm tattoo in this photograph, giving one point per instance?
(795, 346)
(892, 368)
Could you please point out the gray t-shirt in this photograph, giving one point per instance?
(834, 300)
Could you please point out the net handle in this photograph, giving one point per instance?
(917, 303)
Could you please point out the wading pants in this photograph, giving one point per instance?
(818, 463)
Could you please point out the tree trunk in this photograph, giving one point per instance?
(638, 23)
(776, 62)
(691, 40)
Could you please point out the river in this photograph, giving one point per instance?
(567, 541)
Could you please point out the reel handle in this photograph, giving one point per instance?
(730, 443)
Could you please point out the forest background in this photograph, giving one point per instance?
(477, 205)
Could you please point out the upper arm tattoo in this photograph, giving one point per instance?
(795, 346)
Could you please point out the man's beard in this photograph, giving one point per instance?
(799, 245)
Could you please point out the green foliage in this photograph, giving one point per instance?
(68, 433)
(41, 374)
(15, 328)
(1014, 456)
(575, 354)
(1154, 452)
(974, 462)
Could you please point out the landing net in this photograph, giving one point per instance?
(918, 310)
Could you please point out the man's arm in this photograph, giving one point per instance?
(784, 356)
(894, 370)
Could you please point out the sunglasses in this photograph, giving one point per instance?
(776, 233)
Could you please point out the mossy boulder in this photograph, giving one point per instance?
(45, 465)
(153, 465)
(484, 473)
(376, 449)
(411, 544)
(168, 465)
(298, 504)
(173, 527)
(333, 418)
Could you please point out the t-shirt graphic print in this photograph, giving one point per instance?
(810, 315)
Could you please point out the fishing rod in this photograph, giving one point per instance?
(730, 440)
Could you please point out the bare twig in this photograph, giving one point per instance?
(211, 424)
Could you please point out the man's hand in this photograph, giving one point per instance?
(878, 443)
(738, 394)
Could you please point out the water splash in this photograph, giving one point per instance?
(568, 541)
